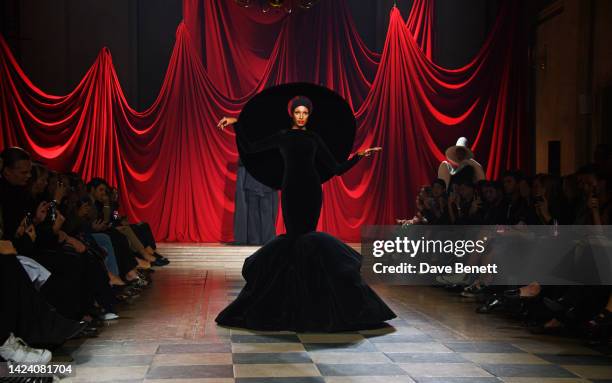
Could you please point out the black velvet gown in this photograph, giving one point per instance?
(304, 280)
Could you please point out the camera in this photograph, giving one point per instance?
(28, 219)
(53, 210)
(115, 218)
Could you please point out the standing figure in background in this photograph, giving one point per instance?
(255, 211)
(461, 165)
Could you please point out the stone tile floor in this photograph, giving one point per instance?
(169, 335)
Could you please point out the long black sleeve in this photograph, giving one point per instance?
(270, 142)
(328, 159)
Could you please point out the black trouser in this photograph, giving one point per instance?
(24, 312)
(67, 289)
(98, 281)
(144, 233)
(126, 260)
(76, 281)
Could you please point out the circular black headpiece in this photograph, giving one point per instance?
(266, 113)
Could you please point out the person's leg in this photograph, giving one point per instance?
(66, 289)
(253, 218)
(135, 243)
(145, 234)
(104, 241)
(98, 282)
(25, 313)
(9, 320)
(268, 206)
(125, 258)
(240, 209)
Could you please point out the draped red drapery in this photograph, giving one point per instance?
(176, 171)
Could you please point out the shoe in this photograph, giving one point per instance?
(138, 282)
(515, 294)
(159, 256)
(561, 309)
(109, 316)
(473, 290)
(80, 326)
(133, 290)
(87, 332)
(161, 262)
(127, 294)
(144, 274)
(16, 350)
(123, 298)
(600, 327)
(493, 303)
(146, 277)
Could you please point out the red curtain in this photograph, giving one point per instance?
(176, 171)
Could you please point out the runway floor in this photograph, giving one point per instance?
(169, 335)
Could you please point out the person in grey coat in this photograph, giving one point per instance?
(256, 210)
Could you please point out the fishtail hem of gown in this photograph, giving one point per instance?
(305, 283)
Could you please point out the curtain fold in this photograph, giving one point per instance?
(175, 170)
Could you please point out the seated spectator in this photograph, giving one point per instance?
(25, 312)
(79, 279)
(141, 231)
(514, 205)
(437, 205)
(59, 286)
(99, 222)
(492, 198)
(545, 209)
(581, 199)
(592, 206)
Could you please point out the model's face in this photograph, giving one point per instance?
(300, 116)
(20, 174)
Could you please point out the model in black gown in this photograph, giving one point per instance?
(304, 280)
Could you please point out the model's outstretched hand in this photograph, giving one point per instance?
(368, 152)
(225, 121)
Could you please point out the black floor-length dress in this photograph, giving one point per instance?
(303, 280)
